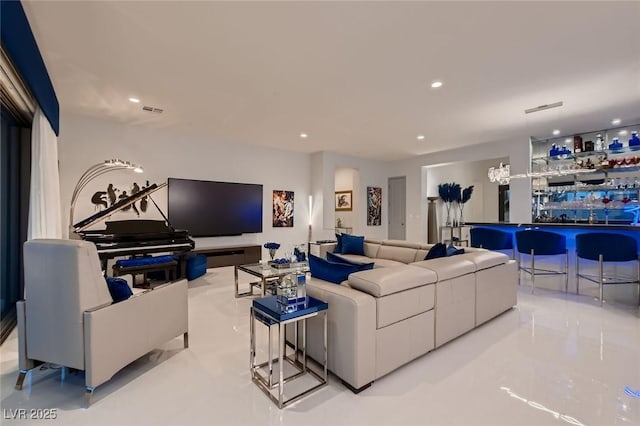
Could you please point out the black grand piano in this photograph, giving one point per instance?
(136, 237)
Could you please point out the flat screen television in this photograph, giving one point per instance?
(214, 209)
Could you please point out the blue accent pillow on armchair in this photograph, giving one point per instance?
(362, 266)
(352, 244)
(328, 271)
(119, 289)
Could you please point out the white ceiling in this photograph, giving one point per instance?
(354, 76)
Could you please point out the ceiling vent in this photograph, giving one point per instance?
(152, 109)
(543, 107)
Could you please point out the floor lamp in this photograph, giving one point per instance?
(92, 173)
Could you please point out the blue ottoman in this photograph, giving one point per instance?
(196, 266)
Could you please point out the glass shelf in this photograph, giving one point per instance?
(604, 153)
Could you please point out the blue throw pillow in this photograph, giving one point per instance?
(452, 251)
(352, 244)
(362, 266)
(119, 289)
(328, 271)
(338, 248)
(438, 250)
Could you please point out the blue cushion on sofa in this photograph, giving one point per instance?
(338, 248)
(119, 289)
(328, 271)
(352, 244)
(452, 250)
(362, 266)
(438, 250)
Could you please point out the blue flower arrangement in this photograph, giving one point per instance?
(464, 197)
(272, 247)
(449, 193)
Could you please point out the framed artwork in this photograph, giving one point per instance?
(344, 201)
(282, 209)
(374, 206)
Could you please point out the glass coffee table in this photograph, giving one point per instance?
(268, 275)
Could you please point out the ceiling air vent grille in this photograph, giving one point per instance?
(543, 107)
(152, 109)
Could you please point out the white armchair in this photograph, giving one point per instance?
(68, 317)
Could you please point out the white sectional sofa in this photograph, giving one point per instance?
(382, 318)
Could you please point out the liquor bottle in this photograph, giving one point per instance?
(577, 144)
(599, 143)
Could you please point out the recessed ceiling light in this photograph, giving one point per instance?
(435, 84)
(616, 121)
(134, 100)
(420, 137)
(568, 140)
(556, 132)
(622, 132)
(304, 135)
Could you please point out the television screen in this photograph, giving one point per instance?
(213, 209)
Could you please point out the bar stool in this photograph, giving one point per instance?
(492, 239)
(606, 247)
(542, 243)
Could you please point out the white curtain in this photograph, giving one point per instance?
(45, 220)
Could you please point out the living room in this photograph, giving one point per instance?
(236, 85)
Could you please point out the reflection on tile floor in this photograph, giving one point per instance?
(555, 359)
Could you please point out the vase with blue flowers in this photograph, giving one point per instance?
(272, 247)
(464, 196)
(449, 193)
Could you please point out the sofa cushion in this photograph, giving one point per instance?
(119, 289)
(486, 258)
(383, 281)
(386, 263)
(333, 272)
(438, 250)
(404, 304)
(399, 254)
(448, 267)
(401, 243)
(362, 266)
(352, 244)
(371, 249)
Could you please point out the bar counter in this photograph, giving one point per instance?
(625, 294)
(570, 230)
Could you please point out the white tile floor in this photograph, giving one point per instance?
(555, 359)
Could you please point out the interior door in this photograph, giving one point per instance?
(397, 208)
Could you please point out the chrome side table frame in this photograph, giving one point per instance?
(267, 383)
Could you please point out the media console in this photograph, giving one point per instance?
(230, 255)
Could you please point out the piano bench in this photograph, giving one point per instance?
(144, 266)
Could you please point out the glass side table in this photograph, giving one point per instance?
(267, 274)
(271, 313)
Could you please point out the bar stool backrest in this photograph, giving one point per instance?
(541, 242)
(612, 247)
(491, 239)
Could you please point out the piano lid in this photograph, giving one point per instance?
(103, 214)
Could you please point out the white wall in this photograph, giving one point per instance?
(344, 180)
(483, 205)
(417, 180)
(85, 141)
(368, 173)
